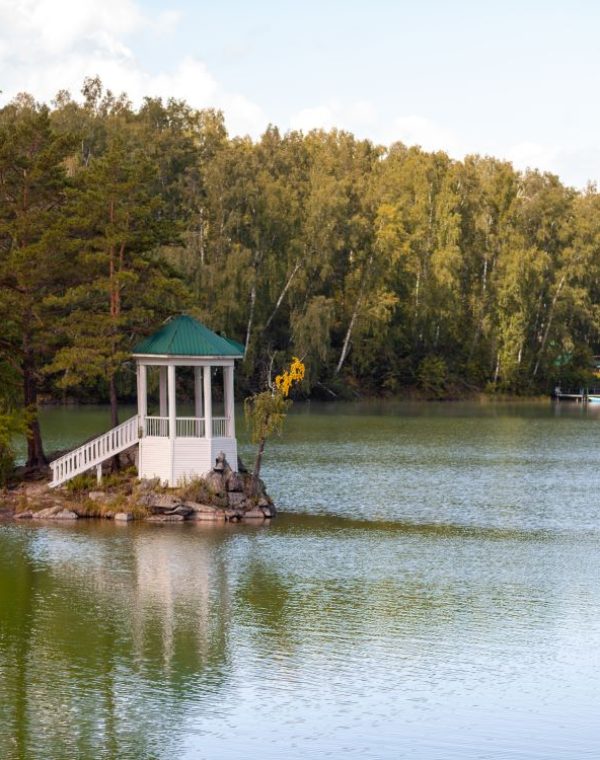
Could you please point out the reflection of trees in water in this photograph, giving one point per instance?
(101, 658)
(111, 639)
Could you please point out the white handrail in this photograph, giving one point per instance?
(95, 452)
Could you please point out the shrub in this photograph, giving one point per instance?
(11, 425)
(433, 376)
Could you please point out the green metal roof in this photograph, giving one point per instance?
(185, 336)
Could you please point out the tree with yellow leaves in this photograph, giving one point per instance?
(266, 412)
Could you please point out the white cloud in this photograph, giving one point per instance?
(418, 130)
(320, 117)
(359, 116)
(528, 155)
(47, 45)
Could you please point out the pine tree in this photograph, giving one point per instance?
(32, 259)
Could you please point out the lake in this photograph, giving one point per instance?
(431, 590)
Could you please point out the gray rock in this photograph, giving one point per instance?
(26, 515)
(217, 515)
(165, 501)
(235, 482)
(215, 482)
(183, 510)
(236, 500)
(65, 514)
(233, 515)
(197, 507)
(221, 463)
(165, 518)
(123, 517)
(46, 514)
(269, 511)
(254, 514)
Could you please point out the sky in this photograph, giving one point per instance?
(515, 80)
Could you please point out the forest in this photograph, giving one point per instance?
(387, 270)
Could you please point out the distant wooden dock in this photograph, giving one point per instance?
(580, 396)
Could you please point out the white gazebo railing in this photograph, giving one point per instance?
(190, 427)
(157, 426)
(187, 427)
(220, 427)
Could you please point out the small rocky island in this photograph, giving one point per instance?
(223, 495)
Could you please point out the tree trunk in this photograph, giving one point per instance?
(114, 401)
(35, 449)
(282, 295)
(250, 317)
(549, 324)
(258, 462)
(347, 337)
(357, 305)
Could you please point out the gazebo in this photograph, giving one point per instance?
(172, 446)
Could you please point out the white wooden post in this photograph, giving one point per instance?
(142, 390)
(198, 403)
(198, 392)
(99, 473)
(162, 383)
(172, 401)
(229, 400)
(207, 403)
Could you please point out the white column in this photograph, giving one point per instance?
(229, 400)
(162, 383)
(172, 401)
(207, 403)
(198, 405)
(142, 389)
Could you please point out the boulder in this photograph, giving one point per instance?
(215, 482)
(165, 518)
(233, 515)
(26, 515)
(122, 517)
(216, 515)
(65, 514)
(46, 514)
(235, 482)
(195, 506)
(164, 501)
(254, 514)
(182, 509)
(269, 511)
(221, 464)
(236, 500)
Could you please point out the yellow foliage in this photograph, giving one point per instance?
(295, 374)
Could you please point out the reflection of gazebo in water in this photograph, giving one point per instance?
(171, 446)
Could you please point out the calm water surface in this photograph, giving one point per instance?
(431, 592)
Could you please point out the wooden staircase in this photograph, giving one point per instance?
(94, 453)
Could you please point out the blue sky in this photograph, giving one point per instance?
(512, 79)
